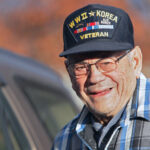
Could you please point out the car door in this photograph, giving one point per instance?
(34, 104)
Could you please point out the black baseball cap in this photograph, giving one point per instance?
(95, 28)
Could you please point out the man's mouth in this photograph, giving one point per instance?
(100, 92)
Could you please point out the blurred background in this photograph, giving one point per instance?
(33, 28)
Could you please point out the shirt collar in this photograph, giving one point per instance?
(98, 126)
(141, 99)
(139, 104)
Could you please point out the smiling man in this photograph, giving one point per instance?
(105, 66)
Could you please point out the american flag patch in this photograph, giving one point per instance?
(92, 26)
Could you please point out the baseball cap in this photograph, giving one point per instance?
(95, 28)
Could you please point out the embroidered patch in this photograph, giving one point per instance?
(93, 24)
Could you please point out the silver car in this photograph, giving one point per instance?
(34, 104)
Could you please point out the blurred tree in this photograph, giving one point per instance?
(34, 27)
(143, 7)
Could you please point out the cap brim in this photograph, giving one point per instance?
(95, 46)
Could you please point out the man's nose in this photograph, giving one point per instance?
(95, 75)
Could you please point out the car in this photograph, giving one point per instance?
(34, 103)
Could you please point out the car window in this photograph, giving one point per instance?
(13, 134)
(52, 106)
(14, 141)
(2, 141)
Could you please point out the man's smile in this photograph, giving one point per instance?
(99, 93)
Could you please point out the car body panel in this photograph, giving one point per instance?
(13, 69)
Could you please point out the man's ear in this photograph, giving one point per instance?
(137, 61)
(71, 78)
(66, 65)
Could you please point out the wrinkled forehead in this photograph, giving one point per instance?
(84, 56)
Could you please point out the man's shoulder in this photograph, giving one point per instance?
(143, 83)
(65, 133)
(69, 132)
(68, 129)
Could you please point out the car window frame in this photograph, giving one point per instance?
(21, 81)
(7, 115)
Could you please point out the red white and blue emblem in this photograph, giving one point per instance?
(93, 26)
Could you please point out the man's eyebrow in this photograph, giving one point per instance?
(77, 62)
(78, 58)
(81, 62)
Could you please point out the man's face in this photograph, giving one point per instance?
(106, 93)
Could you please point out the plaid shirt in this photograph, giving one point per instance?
(132, 132)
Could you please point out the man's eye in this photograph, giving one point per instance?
(79, 68)
(106, 63)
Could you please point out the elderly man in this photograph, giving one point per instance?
(105, 70)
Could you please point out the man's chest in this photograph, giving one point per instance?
(133, 136)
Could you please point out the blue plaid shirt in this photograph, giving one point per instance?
(131, 132)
